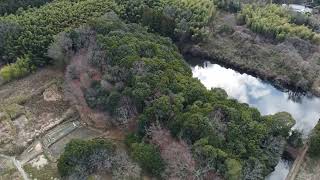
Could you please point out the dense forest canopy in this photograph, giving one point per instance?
(225, 134)
(31, 31)
(178, 19)
(144, 77)
(11, 6)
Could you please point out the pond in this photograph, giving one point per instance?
(263, 96)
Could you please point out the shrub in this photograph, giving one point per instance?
(132, 138)
(316, 39)
(295, 140)
(225, 29)
(240, 19)
(18, 69)
(281, 123)
(11, 6)
(209, 156)
(314, 148)
(275, 21)
(96, 96)
(180, 19)
(113, 101)
(148, 157)
(229, 5)
(85, 157)
(253, 169)
(233, 169)
(8, 32)
(299, 18)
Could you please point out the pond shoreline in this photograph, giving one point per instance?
(264, 96)
(195, 52)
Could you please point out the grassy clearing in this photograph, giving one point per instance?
(49, 171)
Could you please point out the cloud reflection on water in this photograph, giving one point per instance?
(263, 96)
(259, 94)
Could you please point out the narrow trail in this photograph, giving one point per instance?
(20, 169)
(17, 165)
(297, 163)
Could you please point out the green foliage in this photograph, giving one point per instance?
(161, 87)
(202, 11)
(281, 123)
(275, 21)
(96, 96)
(253, 169)
(48, 171)
(8, 32)
(195, 126)
(39, 25)
(208, 155)
(133, 9)
(148, 157)
(316, 39)
(14, 110)
(83, 157)
(11, 6)
(295, 139)
(220, 92)
(314, 148)
(233, 169)
(18, 69)
(132, 138)
(112, 101)
(225, 29)
(178, 19)
(299, 18)
(229, 5)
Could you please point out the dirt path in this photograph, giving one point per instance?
(20, 169)
(17, 164)
(297, 164)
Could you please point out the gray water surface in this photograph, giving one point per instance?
(263, 96)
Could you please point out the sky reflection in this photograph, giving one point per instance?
(281, 171)
(263, 96)
(259, 94)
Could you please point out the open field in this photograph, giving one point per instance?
(36, 124)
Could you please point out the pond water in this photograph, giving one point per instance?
(263, 96)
